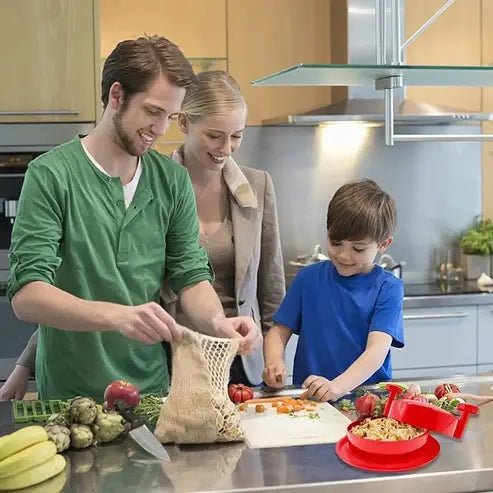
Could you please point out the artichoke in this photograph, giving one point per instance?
(83, 410)
(61, 418)
(108, 426)
(80, 436)
(59, 435)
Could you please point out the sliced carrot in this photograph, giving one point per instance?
(283, 410)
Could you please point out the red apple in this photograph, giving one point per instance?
(121, 390)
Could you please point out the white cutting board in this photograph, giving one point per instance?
(270, 429)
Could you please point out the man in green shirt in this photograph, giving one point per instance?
(102, 221)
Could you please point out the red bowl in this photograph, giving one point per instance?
(385, 447)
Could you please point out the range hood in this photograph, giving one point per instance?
(362, 102)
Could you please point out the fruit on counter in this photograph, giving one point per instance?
(52, 485)
(121, 390)
(21, 439)
(107, 427)
(366, 404)
(444, 389)
(239, 393)
(27, 458)
(35, 475)
(81, 436)
(83, 410)
(59, 435)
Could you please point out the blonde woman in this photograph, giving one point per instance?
(238, 220)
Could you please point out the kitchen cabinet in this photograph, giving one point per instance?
(454, 39)
(438, 337)
(485, 334)
(48, 50)
(487, 59)
(435, 372)
(264, 37)
(196, 26)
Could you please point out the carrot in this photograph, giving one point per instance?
(283, 410)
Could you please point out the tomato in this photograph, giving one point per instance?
(123, 391)
(239, 393)
(443, 389)
(366, 404)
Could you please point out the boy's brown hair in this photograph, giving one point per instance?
(359, 210)
(135, 63)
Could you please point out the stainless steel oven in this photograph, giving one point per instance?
(19, 144)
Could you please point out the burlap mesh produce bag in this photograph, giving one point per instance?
(198, 409)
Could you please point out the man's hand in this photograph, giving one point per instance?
(274, 374)
(244, 327)
(321, 389)
(149, 323)
(15, 386)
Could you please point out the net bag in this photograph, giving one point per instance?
(198, 409)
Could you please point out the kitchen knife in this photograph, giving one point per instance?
(141, 434)
(288, 391)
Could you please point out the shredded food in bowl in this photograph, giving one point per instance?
(385, 429)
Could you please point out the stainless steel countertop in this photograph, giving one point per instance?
(462, 466)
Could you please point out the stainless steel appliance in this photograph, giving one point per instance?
(20, 143)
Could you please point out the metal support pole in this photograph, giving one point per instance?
(396, 32)
(389, 116)
(383, 31)
(388, 84)
(378, 36)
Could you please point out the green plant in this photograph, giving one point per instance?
(478, 240)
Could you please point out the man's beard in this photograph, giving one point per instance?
(125, 140)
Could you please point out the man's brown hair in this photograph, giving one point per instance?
(359, 210)
(136, 63)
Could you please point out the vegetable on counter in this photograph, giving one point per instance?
(123, 391)
(366, 404)
(239, 393)
(444, 389)
(149, 407)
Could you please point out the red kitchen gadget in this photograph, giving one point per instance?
(404, 455)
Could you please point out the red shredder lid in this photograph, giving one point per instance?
(424, 415)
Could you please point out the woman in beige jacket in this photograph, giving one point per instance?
(238, 220)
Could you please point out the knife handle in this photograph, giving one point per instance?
(127, 412)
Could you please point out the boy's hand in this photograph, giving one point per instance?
(321, 389)
(274, 375)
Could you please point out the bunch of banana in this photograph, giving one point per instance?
(27, 458)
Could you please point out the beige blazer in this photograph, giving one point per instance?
(259, 270)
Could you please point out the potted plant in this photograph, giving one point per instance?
(477, 249)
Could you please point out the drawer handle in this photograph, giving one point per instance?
(39, 112)
(435, 316)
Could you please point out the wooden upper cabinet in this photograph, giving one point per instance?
(47, 51)
(266, 36)
(198, 27)
(454, 39)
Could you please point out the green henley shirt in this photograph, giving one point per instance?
(73, 231)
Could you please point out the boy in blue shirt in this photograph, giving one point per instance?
(347, 311)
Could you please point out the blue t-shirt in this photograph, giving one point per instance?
(333, 315)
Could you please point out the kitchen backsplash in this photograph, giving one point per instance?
(437, 185)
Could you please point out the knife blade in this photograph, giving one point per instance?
(141, 434)
(288, 391)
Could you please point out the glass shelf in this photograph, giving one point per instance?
(366, 75)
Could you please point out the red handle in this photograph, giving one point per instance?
(394, 391)
(466, 411)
